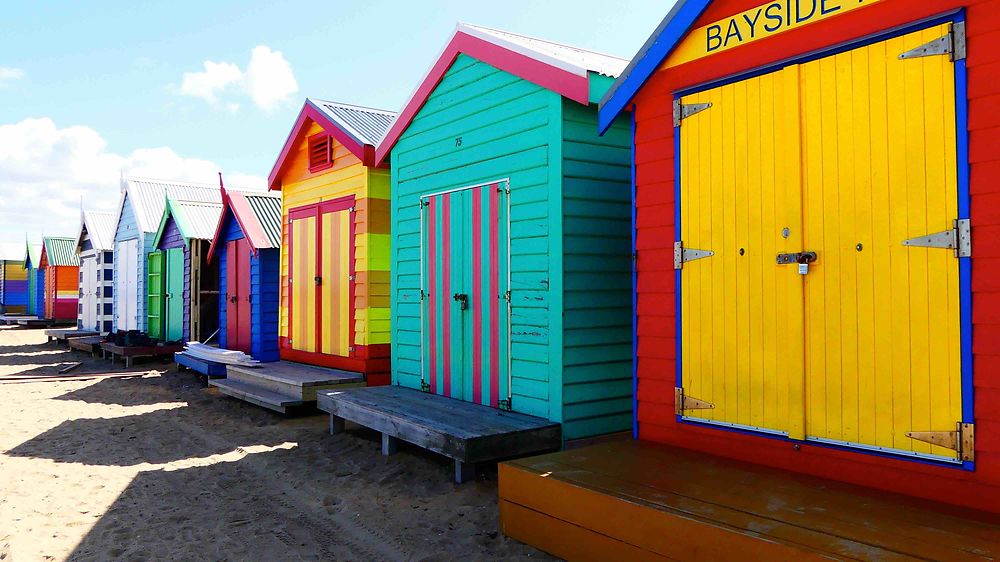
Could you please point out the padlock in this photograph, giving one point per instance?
(803, 269)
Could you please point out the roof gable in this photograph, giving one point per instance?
(100, 227)
(148, 198)
(32, 255)
(258, 216)
(658, 47)
(59, 252)
(196, 220)
(359, 129)
(563, 69)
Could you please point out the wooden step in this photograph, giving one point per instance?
(294, 380)
(468, 433)
(641, 501)
(210, 369)
(256, 395)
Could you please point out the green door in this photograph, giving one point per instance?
(154, 305)
(174, 326)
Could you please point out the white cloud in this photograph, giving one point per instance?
(216, 77)
(45, 170)
(268, 81)
(8, 75)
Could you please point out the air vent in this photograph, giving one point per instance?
(320, 152)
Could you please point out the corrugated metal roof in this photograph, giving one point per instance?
(101, 228)
(267, 211)
(550, 52)
(149, 197)
(197, 220)
(366, 125)
(60, 251)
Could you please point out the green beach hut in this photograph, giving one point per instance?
(511, 254)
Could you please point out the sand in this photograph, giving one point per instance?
(157, 467)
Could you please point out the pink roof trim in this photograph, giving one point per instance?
(561, 81)
(364, 153)
(245, 217)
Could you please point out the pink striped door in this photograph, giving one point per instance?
(466, 309)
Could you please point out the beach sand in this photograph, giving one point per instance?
(157, 467)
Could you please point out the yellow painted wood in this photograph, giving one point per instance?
(336, 270)
(883, 332)
(739, 191)
(303, 272)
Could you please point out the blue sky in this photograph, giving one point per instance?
(89, 88)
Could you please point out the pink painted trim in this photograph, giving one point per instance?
(445, 293)
(310, 113)
(477, 294)
(565, 83)
(495, 295)
(432, 291)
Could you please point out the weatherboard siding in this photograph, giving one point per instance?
(507, 127)
(597, 275)
(128, 229)
(264, 273)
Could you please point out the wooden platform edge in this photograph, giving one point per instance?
(667, 533)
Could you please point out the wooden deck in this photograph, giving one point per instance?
(34, 322)
(210, 369)
(90, 344)
(62, 334)
(282, 386)
(131, 353)
(468, 433)
(12, 319)
(636, 501)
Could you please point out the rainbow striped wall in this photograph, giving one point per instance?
(13, 287)
(365, 320)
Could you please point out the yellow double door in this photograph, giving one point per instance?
(847, 157)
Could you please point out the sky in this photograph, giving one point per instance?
(183, 90)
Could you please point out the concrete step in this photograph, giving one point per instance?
(255, 395)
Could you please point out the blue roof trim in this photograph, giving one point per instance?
(672, 29)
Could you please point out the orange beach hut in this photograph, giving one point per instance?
(335, 240)
(62, 274)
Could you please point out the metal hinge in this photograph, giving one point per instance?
(507, 405)
(352, 209)
(958, 239)
(952, 44)
(683, 111)
(962, 440)
(683, 255)
(350, 277)
(684, 403)
(506, 296)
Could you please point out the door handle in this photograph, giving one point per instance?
(462, 299)
(318, 280)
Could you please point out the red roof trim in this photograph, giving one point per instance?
(310, 113)
(572, 86)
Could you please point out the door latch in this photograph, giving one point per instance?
(803, 259)
(463, 300)
(318, 280)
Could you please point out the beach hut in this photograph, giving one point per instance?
(13, 287)
(139, 214)
(61, 268)
(247, 250)
(815, 235)
(510, 254)
(182, 285)
(36, 279)
(95, 251)
(335, 240)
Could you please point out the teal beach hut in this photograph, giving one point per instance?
(36, 280)
(511, 267)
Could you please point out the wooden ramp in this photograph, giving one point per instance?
(132, 352)
(62, 334)
(283, 385)
(468, 433)
(629, 500)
